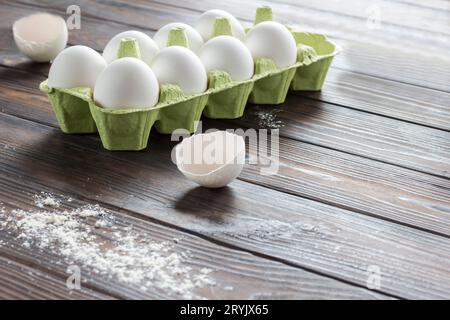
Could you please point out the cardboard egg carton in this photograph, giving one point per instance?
(129, 129)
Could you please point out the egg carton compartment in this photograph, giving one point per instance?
(129, 129)
(71, 108)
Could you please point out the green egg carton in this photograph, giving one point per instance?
(71, 108)
(129, 129)
(314, 56)
(316, 52)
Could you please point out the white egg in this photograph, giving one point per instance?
(195, 40)
(272, 40)
(127, 83)
(76, 66)
(221, 160)
(205, 24)
(147, 47)
(180, 66)
(228, 54)
(40, 36)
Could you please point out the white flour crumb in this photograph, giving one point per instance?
(46, 200)
(101, 224)
(90, 211)
(125, 255)
(228, 288)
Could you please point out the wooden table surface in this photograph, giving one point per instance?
(364, 177)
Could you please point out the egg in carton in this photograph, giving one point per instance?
(128, 128)
(72, 77)
(314, 54)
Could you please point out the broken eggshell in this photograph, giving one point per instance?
(212, 160)
(40, 36)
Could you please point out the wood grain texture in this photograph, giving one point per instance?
(379, 96)
(298, 217)
(432, 4)
(297, 231)
(401, 60)
(423, 20)
(326, 175)
(22, 282)
(384, 52)
(249, 277)
(388, 98)
(360, 133)
(357, 91)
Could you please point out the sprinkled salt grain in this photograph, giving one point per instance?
(267, 118)
(125, 255)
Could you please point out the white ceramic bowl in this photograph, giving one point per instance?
(212, 160)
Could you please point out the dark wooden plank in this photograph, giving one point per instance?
(19, 281)
(341, 179)
(402, 58)
(355, 183)
(360, 133)
(387, 54)
(392, 15)
(388, 98)
(238, 275)
(294, 230)
(358, 91)
(440, 5)
(396, 142)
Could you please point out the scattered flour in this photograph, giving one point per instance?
(112, 251)
(46, 200)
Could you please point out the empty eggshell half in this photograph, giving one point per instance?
(228, 54)
(76, 66)
(40, 36)
(212, 160)
(182, 67)
(205, 24)
(195, 40)
(126, 83)
(147, 47)
(272, 40)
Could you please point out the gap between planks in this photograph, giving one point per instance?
(439, 84)
(52, 129)
(319, 199)
(193, 240)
